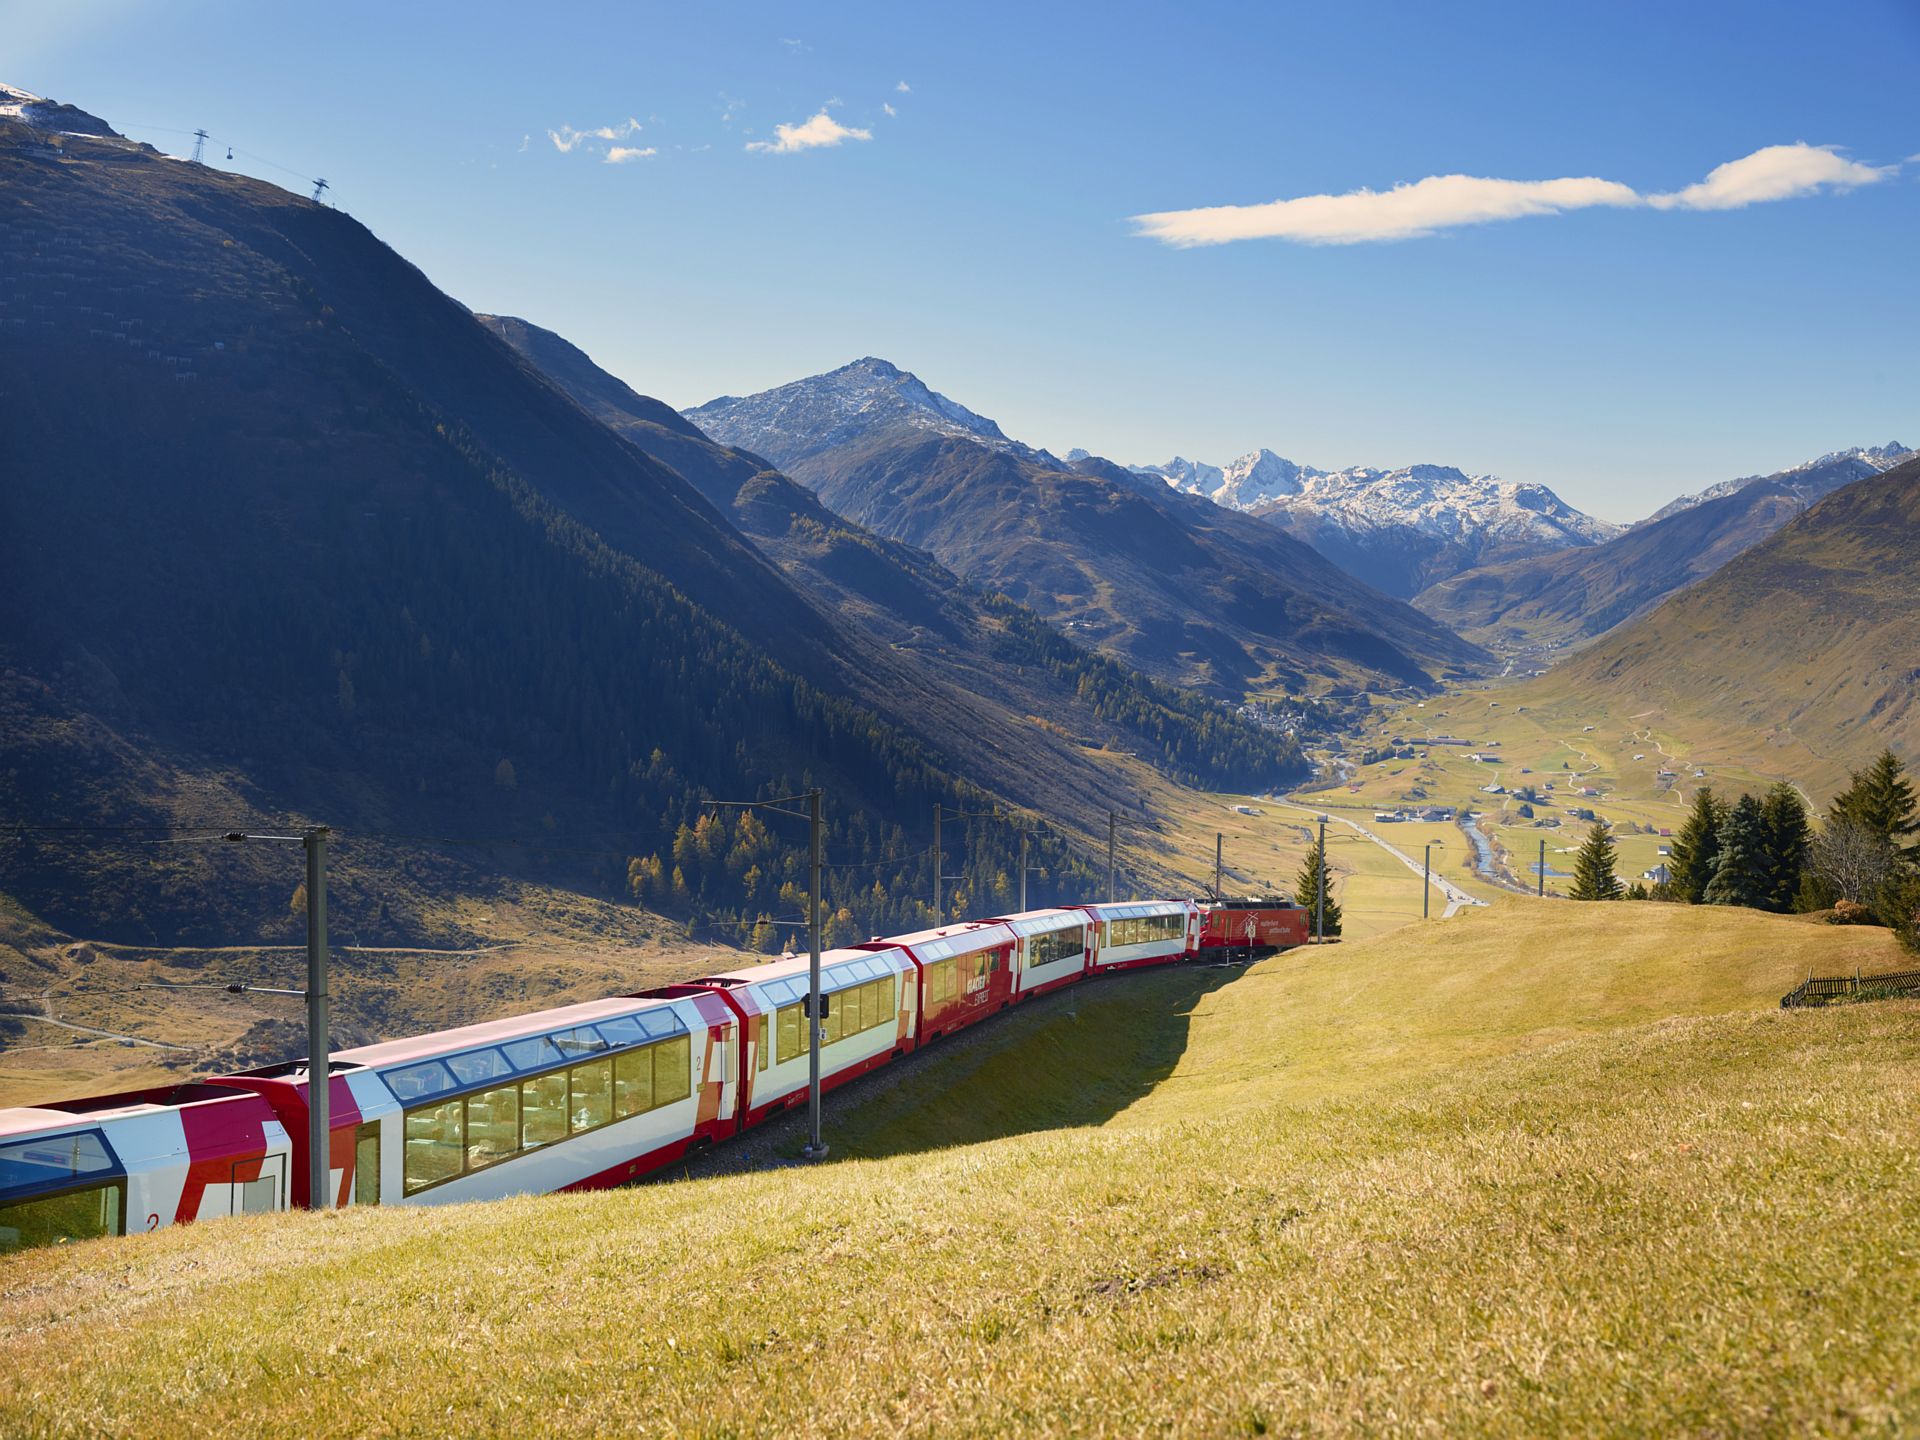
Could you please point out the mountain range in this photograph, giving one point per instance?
(1568, 599)
(1400, 530)
(1171, 583)
(1810, 637)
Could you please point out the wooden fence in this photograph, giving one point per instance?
(1843, 989)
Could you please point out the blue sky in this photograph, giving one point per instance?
(1620, 347)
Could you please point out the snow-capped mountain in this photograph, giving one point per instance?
(805, 417)
(45, 114)
(1400, 530)
(1809, 482)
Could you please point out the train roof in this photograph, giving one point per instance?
(1041, 922)
(493, 1032)
(962, 938)
(1138, 909)
(98, 1109)
(850, 967)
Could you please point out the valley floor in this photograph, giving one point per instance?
(1540, 1167)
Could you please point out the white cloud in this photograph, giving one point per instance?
(889, 109)
(525, 140)
(904, 88)
(1779, 172)
(1444, 202)
(821, 131)
(621, 154)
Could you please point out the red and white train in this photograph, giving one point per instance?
(580, 1097)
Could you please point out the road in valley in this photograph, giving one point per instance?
(1455, 897)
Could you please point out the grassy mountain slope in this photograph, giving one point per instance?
(996, 663)
(1364, 1189)
(1812, 635)
(286, 525)
(1569, 598)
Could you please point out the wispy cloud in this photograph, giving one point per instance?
(904, 88)
(889, 109)
(621, 154)
(815, 134)
(567, 139)
(1445, 202)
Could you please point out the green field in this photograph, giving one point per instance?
(1538, 1167)
(1533, 736)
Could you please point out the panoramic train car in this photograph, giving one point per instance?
(137, 1161)
(871, 1001)
(966, 973)
(1144, 932)
(1257, 925)
(576, 1098)
(1052, 949)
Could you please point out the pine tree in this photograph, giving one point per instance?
(1308, 886)
(1881, 798)
(1784, 837)
(1740, 877)
(1696, 849)
(1593, 877)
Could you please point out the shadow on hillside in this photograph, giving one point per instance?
(1073, 1058)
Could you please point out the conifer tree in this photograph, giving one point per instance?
(1308, 887)
(1740, 877)
(1593, 877)
(1882, 799)
(1696, 849)
(1784, 837)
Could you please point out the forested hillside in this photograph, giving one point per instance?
(341, 555)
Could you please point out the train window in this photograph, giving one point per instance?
(581, 1040)
(366, 1164)
(940, 983)
(1146, 930)
(760, 1042)
(435, 1142)
(672, 1070)
(53, 1158)
(592, 1086)
(543, 1110)
(531, 1054)
(478, 1065)
(624, 1031)
(791, 1034)
(1055, 946)
(632, 1083)
(493, 1125)
(56, 1219)
(417, 1082)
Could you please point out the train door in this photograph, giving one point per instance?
(366, 1164)
(265, 1192)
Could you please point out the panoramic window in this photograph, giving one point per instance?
(435, 1140)
(56, 1219)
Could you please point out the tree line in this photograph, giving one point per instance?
(1763, 852)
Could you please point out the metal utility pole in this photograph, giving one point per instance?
(815, 1148)
(1218, 840)
(1026, 837)
(319, 1071)
(1543, 869)
(1113, 828)
(939, 915)
(199, 145)
(1320, 891)
(1426, 884)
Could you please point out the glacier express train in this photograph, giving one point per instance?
(575, 1098)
